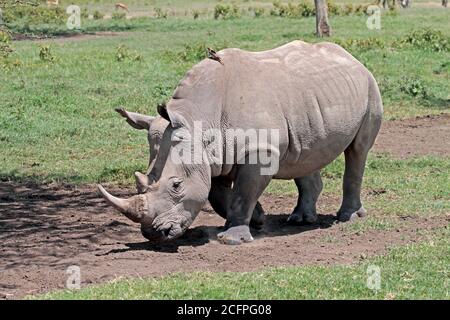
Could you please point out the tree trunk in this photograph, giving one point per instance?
(444, 3)
(323, 28)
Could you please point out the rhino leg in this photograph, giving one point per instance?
(355, 162)
(247, 188)
(351, 206)
(309, 189)
(219, 196)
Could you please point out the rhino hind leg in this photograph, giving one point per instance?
(247, 188)
(351, 207)
(219, 196)
(309, 188)
(355, 161)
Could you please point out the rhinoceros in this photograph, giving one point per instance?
(318, 97)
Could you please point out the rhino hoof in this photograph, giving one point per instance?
(298, 219)
(235, 235)
(351, 216)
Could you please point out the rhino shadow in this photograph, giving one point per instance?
(275, 226)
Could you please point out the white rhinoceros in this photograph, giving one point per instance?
(318, 98)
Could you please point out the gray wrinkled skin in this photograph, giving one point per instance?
(323, 101)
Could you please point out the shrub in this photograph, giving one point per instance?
(118, 15)
(427, 39)
(414, 87)
(257, 11)
(124, 53)
(226, 11)
(34, 15)
(307, 9)
(45, 53)
(160, 13)
(348, 9)
(84, 13)
(195, 14)
(98, 15)
(360, 9)
(361, 44)
(5, 44)
(333, 9)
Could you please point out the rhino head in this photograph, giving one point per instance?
(172, 193)
(155, 126)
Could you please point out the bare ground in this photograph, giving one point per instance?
(46, 228)
(427, 135)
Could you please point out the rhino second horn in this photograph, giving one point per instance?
(142, 182)
(132, 208)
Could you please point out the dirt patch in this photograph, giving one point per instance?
(68, 36)
(428, 135)
(45, 229)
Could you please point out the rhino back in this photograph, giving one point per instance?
(316, 95)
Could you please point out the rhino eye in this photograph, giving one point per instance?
(176, 184)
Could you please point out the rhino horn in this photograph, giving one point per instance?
(142, 182)
(133, 208)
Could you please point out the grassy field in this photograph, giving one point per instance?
(57, 124)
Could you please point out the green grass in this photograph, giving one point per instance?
(418, 271)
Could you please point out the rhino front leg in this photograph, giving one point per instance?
(309, 189)
(247, 188)
(220, 195)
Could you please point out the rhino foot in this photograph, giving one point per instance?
(258, 217)
(235, 235)
(297, 218)
(344, 216)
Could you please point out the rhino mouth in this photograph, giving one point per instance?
(165, 231)
(161, 235)
(171, 231)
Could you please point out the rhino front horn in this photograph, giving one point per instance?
(133, 208)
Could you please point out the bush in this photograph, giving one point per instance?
(45, 53)
(98, 15)
(118, 15)
(360, 9)
(195, 14)
(123, 53)
(348, 9)
(307, 9)
(84, 13)
(361, 44)
(226, 11)
(5, 44)
(333, 9)
(427, 39)
(257, 11)
(34, 15)
(414, 87)
(160, 13)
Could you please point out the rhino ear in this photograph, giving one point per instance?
(136, 120)
(162, 111)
